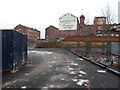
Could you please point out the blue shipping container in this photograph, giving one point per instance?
(14, 50)
(0, 51)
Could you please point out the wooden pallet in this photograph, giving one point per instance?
(116, 66)
(16, 70)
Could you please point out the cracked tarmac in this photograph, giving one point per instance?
(58, 68)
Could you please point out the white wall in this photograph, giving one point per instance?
(68, 22)
(0, 59)
(119, 12)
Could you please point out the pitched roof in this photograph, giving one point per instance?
(52, 26)
(27, 27)
(67, 14)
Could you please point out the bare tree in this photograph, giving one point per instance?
(87, 21)
(108, 13)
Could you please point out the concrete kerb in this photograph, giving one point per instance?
(112, 70)
(99, 64)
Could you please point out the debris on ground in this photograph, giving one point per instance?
(82, 82)
(83, 72)
(26, 74)
(52, 62)
(62, 79)
(80, 75)
(40, 52)
(79, 59)
(72, 72)
(75, 77)
(75, 80)
(44, 88)
(52, 86)
(23, 87)
(71, 69)
(74, 64)
(101, 71)
(55, 57)
(50, 66)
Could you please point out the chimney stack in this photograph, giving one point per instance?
(82, 18)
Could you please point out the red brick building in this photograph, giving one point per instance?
(52, 33)
(69, 26)
(31, 33)
(99, 25)
(85, 30)
(101, 28)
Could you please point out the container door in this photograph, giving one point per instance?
(7, 50)
(17, 50)
(24, 49)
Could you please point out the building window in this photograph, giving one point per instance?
(112, 34)
(117, 35)
(99, 32)
(100, 28)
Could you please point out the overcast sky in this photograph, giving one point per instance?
(40, 14)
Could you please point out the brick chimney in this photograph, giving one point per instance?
(82, 18)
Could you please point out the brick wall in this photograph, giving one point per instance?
(31, 33)
(51, 33)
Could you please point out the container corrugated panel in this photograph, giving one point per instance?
(0, 50)
(14, 44)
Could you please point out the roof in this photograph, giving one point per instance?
(100, 17)
(26, 27)
(67, 14)
(52, 26)
(82, 16)
(6, 29)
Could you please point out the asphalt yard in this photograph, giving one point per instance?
(58, 68)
